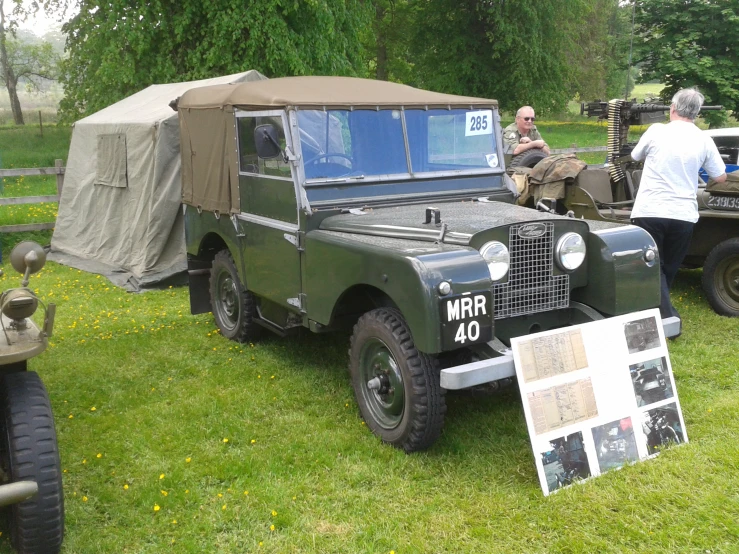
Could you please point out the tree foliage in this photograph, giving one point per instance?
(688, 43)
(600, 55)
(117, 47)
(516, 52)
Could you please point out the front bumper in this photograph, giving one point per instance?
(494, 369)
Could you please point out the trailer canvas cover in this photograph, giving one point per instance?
(119, 212)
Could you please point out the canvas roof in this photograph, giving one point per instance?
(317, 92)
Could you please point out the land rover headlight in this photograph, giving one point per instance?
(570, 252)
(497, 257)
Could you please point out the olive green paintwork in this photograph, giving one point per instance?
(273, 198)
(713, 227)
(616, 264)
(407, 271)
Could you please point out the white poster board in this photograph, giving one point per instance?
(597, 396)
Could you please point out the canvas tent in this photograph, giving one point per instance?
(119, 213)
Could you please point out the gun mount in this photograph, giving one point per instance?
(622, 114)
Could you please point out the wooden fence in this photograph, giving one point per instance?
(57, 170)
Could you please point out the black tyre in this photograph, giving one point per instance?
(721, 278)
(397, 387)
(528, 159)
(30, 453)
(234, 307)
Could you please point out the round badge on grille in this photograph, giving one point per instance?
(532, 230)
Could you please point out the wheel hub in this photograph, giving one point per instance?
(383, 384)
(228, 301)
(727, 275)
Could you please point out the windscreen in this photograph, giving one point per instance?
(369, 143)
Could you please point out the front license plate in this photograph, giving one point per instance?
(466, 319)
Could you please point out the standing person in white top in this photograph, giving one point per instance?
(666, 205)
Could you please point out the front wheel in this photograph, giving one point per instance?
(721, 278)
(234, 307)
(397, 387)
(30, 453)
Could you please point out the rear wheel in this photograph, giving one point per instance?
(234, 307)
(397, 387)
(721, 278)
(30, 453)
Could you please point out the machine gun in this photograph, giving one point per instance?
(621, 114)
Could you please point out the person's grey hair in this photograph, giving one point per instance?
(688, 102)
(521, 110)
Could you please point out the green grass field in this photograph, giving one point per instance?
(174, 439)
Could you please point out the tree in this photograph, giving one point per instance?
(516, 52)
(600, 55)
(118, 47)
(686, 43)
(22, 59)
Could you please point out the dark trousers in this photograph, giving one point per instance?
(673, 239)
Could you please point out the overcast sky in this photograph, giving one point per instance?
(40, 24)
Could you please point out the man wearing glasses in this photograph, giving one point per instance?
(521, 135)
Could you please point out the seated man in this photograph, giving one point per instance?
(521, 135)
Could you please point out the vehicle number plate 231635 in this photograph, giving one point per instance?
(466, 319)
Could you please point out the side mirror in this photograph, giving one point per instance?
(265, 138)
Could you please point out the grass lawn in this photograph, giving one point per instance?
(174, 439)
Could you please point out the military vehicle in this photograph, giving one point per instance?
(608, 194)
(333, 203)
(30, 471)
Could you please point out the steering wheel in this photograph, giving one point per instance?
(329, 155)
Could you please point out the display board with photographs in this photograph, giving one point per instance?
(597, 396)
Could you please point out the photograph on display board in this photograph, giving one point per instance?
(641, 334)
(566, 462)
(615, 444)
(651, 381)
(662, 427)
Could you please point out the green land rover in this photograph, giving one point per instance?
(331, 202)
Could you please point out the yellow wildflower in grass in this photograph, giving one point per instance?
(71, 416)
(253, 441)
(99, 455)
(271, 527)
(156, 507)
(223, 507)
(84, 460)
(174, 522)
(187, 460)
(274, 513)
(220, 495)
(93, 409)
(164, 493)
(246, 493)
(84, 499)
(125, 487)
(161, 476)
(225, 440)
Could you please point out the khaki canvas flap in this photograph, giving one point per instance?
(730, 186)
(111, 160)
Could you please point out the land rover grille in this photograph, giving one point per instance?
(531, 286)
